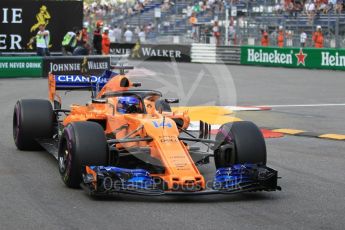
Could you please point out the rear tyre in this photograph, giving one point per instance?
(162, 105)
(82, 143)
(247, 141)
(32, 119)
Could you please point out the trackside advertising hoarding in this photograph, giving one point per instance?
(20, 67)
(294, 57)
(76, 65)
(159, 52)
(20, 20)
(68, 67)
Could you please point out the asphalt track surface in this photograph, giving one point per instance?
(32, 195)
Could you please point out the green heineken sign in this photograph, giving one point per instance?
(20, 67)
(294, 57)
(335, 59)
(275, 57)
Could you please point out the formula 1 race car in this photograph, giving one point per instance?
(128, 140)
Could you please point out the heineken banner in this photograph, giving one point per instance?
(161, 52)
(20, 21)
(78, 65)
(20, 67)
(294, 57)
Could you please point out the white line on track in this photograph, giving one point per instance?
(303, 105)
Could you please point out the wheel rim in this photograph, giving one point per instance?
(65, 159)
(16, 124)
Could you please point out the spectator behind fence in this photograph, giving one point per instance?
(83, 36)
(232, 34)
(310, 10)
(42, 41)
(278, 8)
(303, 38)
(105, 42)
(111, 35)
(83, 46)
(280, 39)
(264, 38)
(289, 40)
(318, 37)
(117, 34)
(339, 6)
(323, 7)
(193, 20)
(97, 38)
(128, 35)
(137, 30)
(332, 4)
(69, 41)
(273, 37)
(216, 32)
(142, 35)
(196, 8)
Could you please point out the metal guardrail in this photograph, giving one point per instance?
(210, 53)
(204, 53)
(228, 54)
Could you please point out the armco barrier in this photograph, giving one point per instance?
(204, 53)
(313, 58)
(20, 67)
(210, 53)
(228, 54)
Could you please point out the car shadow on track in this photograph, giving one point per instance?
(245, 197)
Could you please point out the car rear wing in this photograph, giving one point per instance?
(76, 82)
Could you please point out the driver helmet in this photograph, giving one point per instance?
(126, 104)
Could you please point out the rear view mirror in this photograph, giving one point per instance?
(172, 100)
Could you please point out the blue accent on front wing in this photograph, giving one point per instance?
(235, 176)
(235, 179)
(127, 178)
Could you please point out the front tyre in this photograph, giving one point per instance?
(246, 145)
(82, 143)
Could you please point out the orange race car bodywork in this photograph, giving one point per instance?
(180, 170)
(127, 140)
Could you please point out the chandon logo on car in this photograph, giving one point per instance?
(79, 79)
